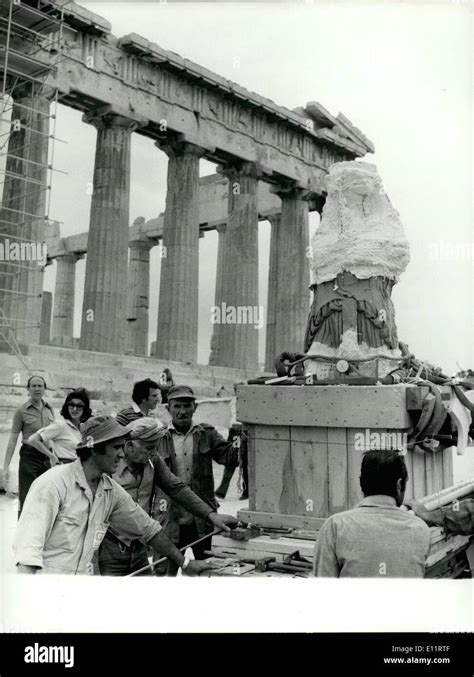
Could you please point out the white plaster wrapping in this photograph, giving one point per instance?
(360, 231)
(349, 349)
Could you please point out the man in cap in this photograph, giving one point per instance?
(70, 507)
(188, 450)
(139, 476)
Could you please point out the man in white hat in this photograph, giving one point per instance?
(70, 507)
(139, 476)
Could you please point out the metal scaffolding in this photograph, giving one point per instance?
(31, 39)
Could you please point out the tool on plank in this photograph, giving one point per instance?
(183, 549)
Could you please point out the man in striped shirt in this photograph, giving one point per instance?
(144, 399)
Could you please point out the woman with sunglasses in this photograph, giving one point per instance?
(58, 440)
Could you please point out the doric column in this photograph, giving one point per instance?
(64, 293)
(23, 212)
(270, 350)
(216, 341)
(46, 308)
(105, 289)
(237, 344)
(177, 333)
(292, 271)
(138, 295)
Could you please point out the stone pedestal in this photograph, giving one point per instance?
(64, 293)
(216, 340)
(237, 339)
(138, 296)
(291, 277)
(23, 213)
(105, 289)
(177, 332)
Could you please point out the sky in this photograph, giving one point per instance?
(401, 71)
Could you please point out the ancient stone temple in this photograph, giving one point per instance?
(271, 163)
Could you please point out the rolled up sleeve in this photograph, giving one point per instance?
(326, 564)
(459, 518)
(128, 521)
(35, 524)
(50, 432)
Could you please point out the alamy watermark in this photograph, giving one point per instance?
(443, 250)
(50, 654)
(227, 314)
(12, 250)
(374, 440)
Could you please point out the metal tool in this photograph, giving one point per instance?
(183, 549)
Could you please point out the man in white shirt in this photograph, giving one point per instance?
(70, 507)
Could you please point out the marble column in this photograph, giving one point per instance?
(270, 350)
(64, 293)
(177, 333)
(46, 308)
(237, 344)
(23, 212)
(216, 341)
(105, 289)
(292, 301)
(138, 295)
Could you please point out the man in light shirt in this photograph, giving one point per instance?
(70, 507)
(378, 538)
(188, 450)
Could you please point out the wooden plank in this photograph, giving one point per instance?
(337, 469)
(251, 465)
(418, 477)
(324, 406)
(354, 460)
(273, 481)
(408, 458)
(430, 473)
(309, 465)
(272, 432)
(262, 544)
(448, 472)
(273, 520)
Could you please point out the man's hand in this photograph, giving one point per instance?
(221, 521)
(197, 566)
(431, 517)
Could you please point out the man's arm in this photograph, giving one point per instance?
(223, 452)
(184, 496)
(130, 522)
(325, 559)
(35, 524)
(457, 518)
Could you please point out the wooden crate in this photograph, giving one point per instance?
(311, 469)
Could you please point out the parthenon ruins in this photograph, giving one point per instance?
(271, 164)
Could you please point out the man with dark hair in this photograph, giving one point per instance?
(188, 449)
(144, 399)
(377, 538)
(69, 509)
